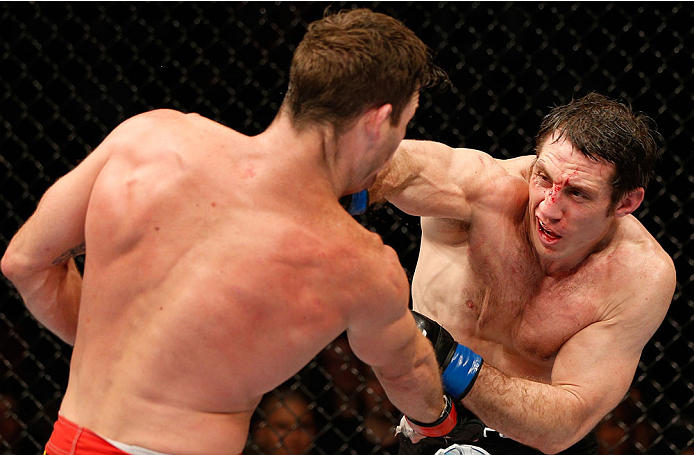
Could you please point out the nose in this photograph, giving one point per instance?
(551, 206)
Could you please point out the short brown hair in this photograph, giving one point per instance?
(603, 129)
(352, 61)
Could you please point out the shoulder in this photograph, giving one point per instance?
(162, 132)
(165, 116)
(519, 166)
(373, 265)
(151, 120)
(640, 252)
(163, 122)
(502, 186)
(363, 276)
(368, 251)
(641, 272)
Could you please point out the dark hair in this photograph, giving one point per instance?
(355, 60)
(603, 129)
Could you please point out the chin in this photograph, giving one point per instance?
(544, 250)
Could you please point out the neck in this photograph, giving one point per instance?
(312, 151)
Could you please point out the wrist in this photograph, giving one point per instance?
(441, 426)
(462, 371)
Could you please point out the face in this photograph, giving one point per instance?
(392, 136)
(569, 202)
(289, 425)
(397, 132)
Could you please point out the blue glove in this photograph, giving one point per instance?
(460, 365)
(355, 203)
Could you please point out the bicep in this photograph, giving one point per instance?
(598, 363)
(381, 329)
(431, 179)
(597, 366)
(383, 344)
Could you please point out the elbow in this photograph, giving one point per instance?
(558, 439)
(550, 444)
(557, 446)
(15, 265)
(551, 449)
(10, 265)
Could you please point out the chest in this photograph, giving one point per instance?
(490, 293)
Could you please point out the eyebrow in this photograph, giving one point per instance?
(581, 188)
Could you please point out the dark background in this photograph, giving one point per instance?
(71, 72)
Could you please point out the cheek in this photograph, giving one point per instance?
(584, 223)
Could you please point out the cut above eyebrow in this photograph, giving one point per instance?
(540, 167)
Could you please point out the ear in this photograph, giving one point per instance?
(375, 118)
(630, 202)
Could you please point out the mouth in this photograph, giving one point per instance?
(546, 234)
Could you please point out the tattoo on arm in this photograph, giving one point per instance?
(71, 253)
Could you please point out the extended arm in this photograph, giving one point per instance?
(385, 337)
(430, 179)
(39, 259)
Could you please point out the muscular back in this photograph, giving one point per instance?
(214, 271)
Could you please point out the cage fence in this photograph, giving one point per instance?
(71, 72)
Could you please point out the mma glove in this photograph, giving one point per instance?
(355, 203)
(460, 366)
(455, 425)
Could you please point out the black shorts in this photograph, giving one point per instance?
(496, 444)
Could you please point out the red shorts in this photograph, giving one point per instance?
(69, 438)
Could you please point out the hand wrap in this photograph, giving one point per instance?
(456, 425)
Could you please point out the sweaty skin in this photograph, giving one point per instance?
(524, 263)
(217, 266)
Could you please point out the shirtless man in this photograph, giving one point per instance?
(219, 264)
(538, 266)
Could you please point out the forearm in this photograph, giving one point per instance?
(418, 392)
(536, 414)
(52, 296)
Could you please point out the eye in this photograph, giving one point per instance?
(542, 179)
(578, 194)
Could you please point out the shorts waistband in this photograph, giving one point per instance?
(68, 438)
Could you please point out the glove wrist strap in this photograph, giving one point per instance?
(462, 371)
(442, 426)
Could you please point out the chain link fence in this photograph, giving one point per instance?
(71, 72)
